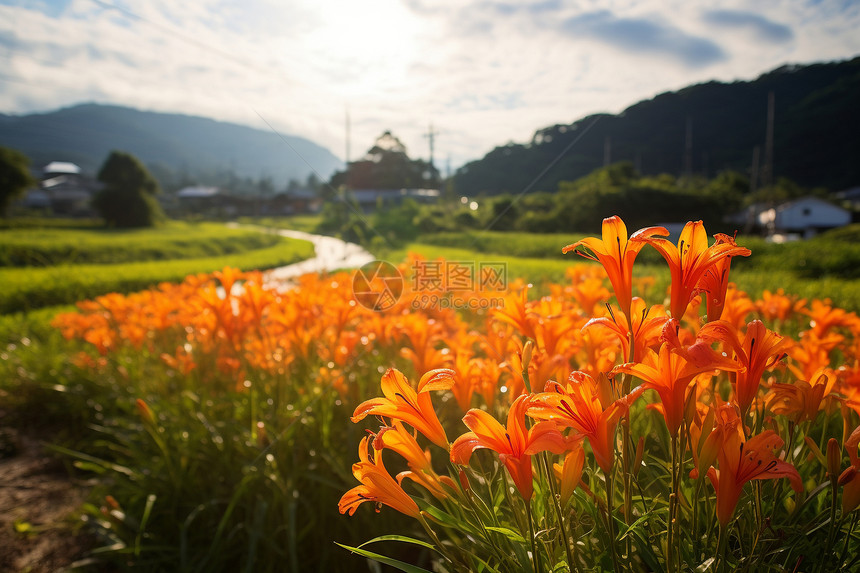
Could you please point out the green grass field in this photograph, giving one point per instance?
(68, 265)
(844, 292)
(44, 247)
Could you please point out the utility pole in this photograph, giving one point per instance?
(767, 176)
(347, 138)
(431, 137)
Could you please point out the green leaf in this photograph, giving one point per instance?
(401, 538)
(509, 533)
(406, 567)
(646, 551)
(634, 525)
(89, 467)
(705, 565)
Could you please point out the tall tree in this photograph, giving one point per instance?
(15, 176)
(128, 196)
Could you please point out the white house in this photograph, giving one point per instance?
(198, 192)
(806, 216)
(60, 168)
(64, 190)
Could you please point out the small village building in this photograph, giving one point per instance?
(63, 190)
(850, 197)
(294, 201)
(805, 217)
(370, 199)
(203, 200)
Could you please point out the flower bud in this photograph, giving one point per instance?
(815, 451)
(464, 481)
(111, 501)
(144, 412)
(527, 353)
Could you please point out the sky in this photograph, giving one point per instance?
(482, 72)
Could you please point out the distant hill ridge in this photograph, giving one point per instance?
(85, 134)
(816, 140)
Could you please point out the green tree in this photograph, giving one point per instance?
(128, 196)
(15, 176)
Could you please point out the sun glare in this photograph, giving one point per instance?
(377, 37)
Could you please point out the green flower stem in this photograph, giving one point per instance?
(436, 540)
(848, 538)
(721, 548)
(695, 525)
(673, 502)
(536, 561)
(571, 554)
(610, 521)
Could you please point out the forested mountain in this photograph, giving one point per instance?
(816, 135)
(191, 146)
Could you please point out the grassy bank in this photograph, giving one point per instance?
(44, 267)
(44, 247)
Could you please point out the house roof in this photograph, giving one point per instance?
(808, 200)
(370, 195)
(197, 192)
(853, 193)
(61, 167)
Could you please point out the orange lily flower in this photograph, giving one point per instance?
(779, 306)
(850, 478)
(514, 444)
(802, 400)
(617, 254)
(707, 435)
(715, 282)
(377, 486)
(647, 326)
(742, 461)
(738, 305)
(517, 312)
(399, 439)
(760, 350)
(586, 290)
(823, 317)
(586, 407)
(402, 402)
(811, 353)
(689, 261)
(670, 371)
(569, 473)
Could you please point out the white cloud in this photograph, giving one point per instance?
(483, 72)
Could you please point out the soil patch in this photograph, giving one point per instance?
(39, 508)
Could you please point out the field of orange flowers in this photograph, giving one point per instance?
(237, 426)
